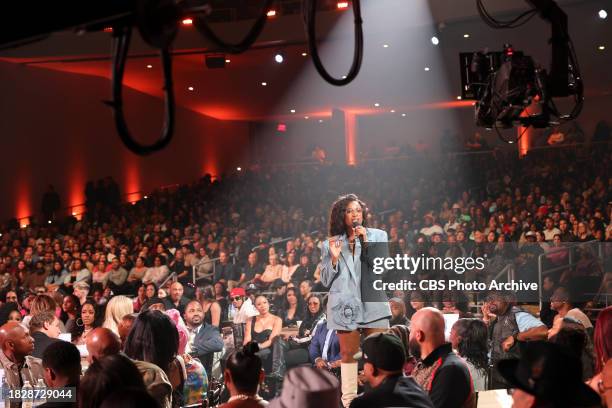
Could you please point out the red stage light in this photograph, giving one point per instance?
(187, 21)
(271, 13)
(343, 5)
(281, 127)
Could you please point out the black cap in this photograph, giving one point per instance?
(548, 372)
(278, 283)
(384, 351)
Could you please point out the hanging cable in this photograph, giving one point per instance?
(248, 40)
(518, 21)
(120, 46)
(309, 12)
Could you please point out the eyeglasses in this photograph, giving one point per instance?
(313, 303)
(354, 210)
(236, 298)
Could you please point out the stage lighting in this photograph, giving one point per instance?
(342, 5)
(435, 40)
(603, 14)
(271, 13)
(190, 88)
(279, 57)
(601, 47)
(264, 84)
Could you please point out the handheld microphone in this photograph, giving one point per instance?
(355, 225)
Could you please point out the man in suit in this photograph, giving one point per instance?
(44, 329)
(204, 339)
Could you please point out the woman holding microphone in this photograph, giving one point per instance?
(353, 306)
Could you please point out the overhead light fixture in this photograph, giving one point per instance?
(149, 66)
(377, 104)
(459, 97)
(49, 221)
(435, 40)
(403, 115)
(392, 111)
(603, 14)
(466, 36)
(279, 57)
(320, 120)
(426, 68)
(227, 60)
(304, 54)
(601, 47)
(73, 213)
(306, 117)
(385, 45)
(187, 21)
(239, 168)
(342, 5)
(292, 111)
(271, 13)
(108, 29)
(190, 88)
(145, 197)
(264, 84)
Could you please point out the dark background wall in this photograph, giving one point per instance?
(55, 130)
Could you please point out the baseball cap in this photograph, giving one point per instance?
(384, 351)
(237, 292)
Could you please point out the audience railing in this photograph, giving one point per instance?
(595, 248)
(211, 275)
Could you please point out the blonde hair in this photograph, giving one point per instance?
(116, 308)
(42, 303)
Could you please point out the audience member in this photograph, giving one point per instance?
(469, 338)
(440, 372)
(62, 368)
(176, 300)
(116, 308)
(306, 386)
(398, 312)
(88, 320)
(102, 343)
(44, 329)
(204, 339)
(508, 326)
(242, 376)
(384, 356)
(547, 376)
(107, 375)
(16, 358)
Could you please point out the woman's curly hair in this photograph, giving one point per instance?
(338, 211)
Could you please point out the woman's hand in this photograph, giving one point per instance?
(360, 231)
(335, 247)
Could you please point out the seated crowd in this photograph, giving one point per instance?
(164, 301)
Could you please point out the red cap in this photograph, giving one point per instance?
(237, 292)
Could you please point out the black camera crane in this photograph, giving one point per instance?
(505, 83)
